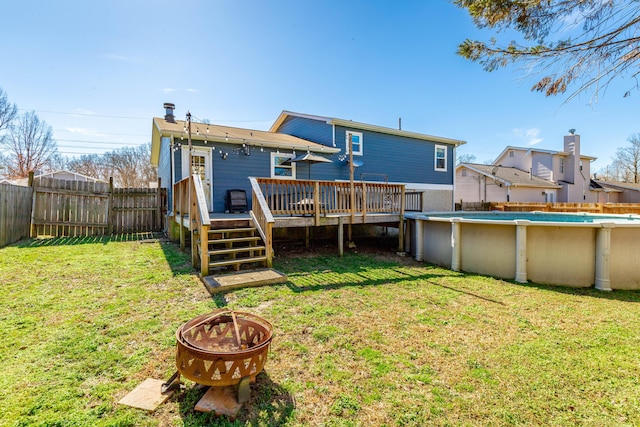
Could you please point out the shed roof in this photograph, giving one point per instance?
(509, 176)
(227, 134)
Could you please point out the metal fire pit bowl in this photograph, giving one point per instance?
(223, 348)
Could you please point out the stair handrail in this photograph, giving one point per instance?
(262, 218)
(200, 221)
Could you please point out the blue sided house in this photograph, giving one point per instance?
(225, 157)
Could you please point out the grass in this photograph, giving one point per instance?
(370, 339)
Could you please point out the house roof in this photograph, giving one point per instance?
(616, 185)
(231, 135)
(24, 181)
(509, 176)
(364, 126)
(540, 150)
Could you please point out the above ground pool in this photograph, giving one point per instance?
(568, 249)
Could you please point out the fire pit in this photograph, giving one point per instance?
(223, 348)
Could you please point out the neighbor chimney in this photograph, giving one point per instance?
(168, 116)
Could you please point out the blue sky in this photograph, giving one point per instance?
(98, 71)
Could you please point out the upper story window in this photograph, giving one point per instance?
(441, 158)
(280, 169)
(512, 153)
(356, 142)
(561, 164)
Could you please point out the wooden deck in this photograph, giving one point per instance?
(284, 203)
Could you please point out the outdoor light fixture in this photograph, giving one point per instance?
(223, 155)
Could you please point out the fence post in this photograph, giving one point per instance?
(32, 230)
(110, 211)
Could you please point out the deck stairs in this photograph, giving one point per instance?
(234, 248)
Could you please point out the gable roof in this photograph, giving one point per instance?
(541, 150)
(230, 135)
(364, 126)
(512, 177)
(616, 185)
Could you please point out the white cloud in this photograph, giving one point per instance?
(168, 90)
(83, 112)
(115, 57)
(84, 132)
(529, 136)
(193, 90)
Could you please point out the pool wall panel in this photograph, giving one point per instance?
(625, 255)
(436, 243)
(488, 249)
(561, 255)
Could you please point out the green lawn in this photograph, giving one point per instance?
(369, 339)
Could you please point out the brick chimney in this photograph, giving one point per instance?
(168, 116)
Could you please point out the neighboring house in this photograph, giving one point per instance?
(616, 192)
(421, 162)
(61, 174)
(529, 175)
(226, 156)
(479, 183)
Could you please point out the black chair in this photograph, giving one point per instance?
(236, 201)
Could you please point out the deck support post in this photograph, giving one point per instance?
(521, 251)
(401, 225)
(603, 257)
(182, 234)
(455, 244)
(204, 250)
(306, 236)
(341, 235)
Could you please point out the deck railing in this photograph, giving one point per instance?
(262, 219)
(317, 198)
(190, 202)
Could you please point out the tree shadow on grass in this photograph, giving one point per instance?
(270, 404)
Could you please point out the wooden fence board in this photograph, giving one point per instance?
(15, 206)
(79, 208)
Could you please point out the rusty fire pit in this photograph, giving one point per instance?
(223, 348)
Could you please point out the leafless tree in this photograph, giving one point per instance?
(465, 158)
(8, 111)
(581, 43)
(626, 163)
(132, 166)
(28, 146)
(129, 166)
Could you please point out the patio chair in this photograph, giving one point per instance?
(236, 201)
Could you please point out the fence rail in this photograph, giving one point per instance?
(15, 208)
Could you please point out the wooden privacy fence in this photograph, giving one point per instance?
(602, 208)
(15, 206)
(80, 208)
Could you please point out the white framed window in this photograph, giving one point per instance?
(280, 169)
(441, 158)
(561, 164)
(356, 142)
(511, 153)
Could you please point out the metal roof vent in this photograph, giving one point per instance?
(168, 115)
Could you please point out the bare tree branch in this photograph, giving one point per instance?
(29, 144)
(607, 48)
